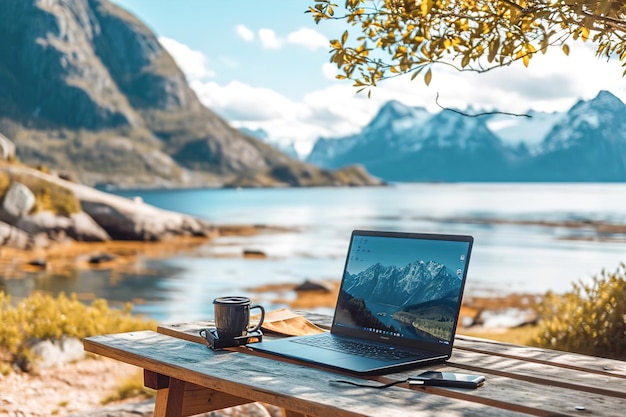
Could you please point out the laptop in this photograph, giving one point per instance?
(398, 305)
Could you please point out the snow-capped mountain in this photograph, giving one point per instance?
(528, 129)
(410, 284)
(286, 148)
(401, 143)
(393, 128)
(410, 144)
(588, 144)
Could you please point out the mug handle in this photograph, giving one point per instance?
(260, 323)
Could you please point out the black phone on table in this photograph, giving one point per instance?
(447, 379)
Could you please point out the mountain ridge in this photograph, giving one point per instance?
(86, 89)
(586, 143)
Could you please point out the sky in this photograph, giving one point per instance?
(265, 65)
(366, 251)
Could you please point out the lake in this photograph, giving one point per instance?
(507, 256)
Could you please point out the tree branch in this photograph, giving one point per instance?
(487, 113)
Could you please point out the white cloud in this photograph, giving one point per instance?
(330, 70)
(245, 33)
(552, 82)
(332, 112)
(269, 39)
(193, 63)
(240, 102)
(309, 38)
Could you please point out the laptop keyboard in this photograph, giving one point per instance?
(385, 353)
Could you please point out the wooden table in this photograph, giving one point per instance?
(191, 379)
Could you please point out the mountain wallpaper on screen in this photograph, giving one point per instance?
(424, 292)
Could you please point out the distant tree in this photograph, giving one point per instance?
(397, 37)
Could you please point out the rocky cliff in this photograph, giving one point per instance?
(86, 89)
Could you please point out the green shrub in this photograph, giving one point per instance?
(5, 183)
(42, 317)
(50, 196)
(591, 319)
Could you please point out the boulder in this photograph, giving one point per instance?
(314, 286)
(126, 219)
(78, 226)
(50, 353)
(18, 201)
(7, 148)
(13, 237)
(107, 216)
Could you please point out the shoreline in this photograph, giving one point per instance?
(65, 257)
(45, 392)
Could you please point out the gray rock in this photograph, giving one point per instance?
(314, 286)
(13, 237)
(78, 226)
(107, 216)
(7, 148)
(18, 201)
(101, 258)
(50, 353)
(126, 219)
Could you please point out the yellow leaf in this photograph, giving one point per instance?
(344, 38)
(565, 49)
(526, 60)
(465, 61)
(428, 76)
(426, 6)
(493, 49)
(584, 34)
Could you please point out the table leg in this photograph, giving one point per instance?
(169, 401)
(177, 398)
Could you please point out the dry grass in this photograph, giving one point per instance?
(517, 336)
(130, 387)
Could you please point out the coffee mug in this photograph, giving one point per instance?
(232, 316)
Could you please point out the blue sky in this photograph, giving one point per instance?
(264, 65)
(401, 252)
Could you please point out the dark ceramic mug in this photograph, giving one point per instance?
(232, 316)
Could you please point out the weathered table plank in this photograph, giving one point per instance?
(298, 388)
(527, 384)
(588, 364)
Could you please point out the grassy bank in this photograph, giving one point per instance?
(43, 317)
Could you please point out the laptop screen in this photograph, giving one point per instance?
(399, 286)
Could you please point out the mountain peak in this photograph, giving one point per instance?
(86, 88)
(397, 114)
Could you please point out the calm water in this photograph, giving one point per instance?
(506, 257)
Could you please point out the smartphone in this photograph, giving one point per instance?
(447, 379)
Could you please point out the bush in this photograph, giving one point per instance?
(49, 196)
(591, 319)
(41, 317)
